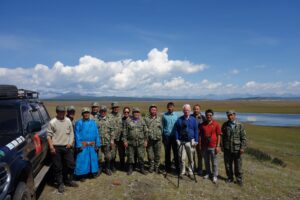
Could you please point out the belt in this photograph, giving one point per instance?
(84, 144)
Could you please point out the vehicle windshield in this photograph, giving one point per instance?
(9, 120)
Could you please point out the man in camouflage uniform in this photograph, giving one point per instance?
(107, 138)
(95, 111)
(154, 126)
(116, 124)
(135, 140)
(233, 144)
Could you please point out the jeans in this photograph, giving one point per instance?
(210, 158)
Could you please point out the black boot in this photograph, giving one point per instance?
(130, 169)
(113, 166)
(107, 168)
(61, 188)
(70, 181)
(143, 171)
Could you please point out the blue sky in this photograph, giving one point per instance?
(245, 47)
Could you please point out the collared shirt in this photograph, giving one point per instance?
(186, 125)
(168, 121)
(209, 130)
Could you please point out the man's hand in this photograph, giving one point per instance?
(125, 144)
(218, 150)
(112, 143)
(145, 143)
(193, 143)
(241, 151)
(68, 146)
(178, 142)
(52, 150)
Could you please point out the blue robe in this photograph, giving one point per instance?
(87, 159)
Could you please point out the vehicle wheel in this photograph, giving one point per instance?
(22, 192)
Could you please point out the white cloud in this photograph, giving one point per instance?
(155, 76)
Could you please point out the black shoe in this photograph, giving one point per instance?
(143, 171)
(229, 180)
(151, 170)
(72, 184)
(61, 188)
(108, 172)
(130, 167)
(239, 182)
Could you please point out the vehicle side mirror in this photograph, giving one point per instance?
(34, 126)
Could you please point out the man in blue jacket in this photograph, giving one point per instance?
(186, 132)
(87, 142)
(169, 119)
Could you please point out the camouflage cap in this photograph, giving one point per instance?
(230, 112)
(85, 109)
(60, 108)
(135, 109)
(71, 108)
(115, 104)
(152, 106)
(103, 108)
(95, 104)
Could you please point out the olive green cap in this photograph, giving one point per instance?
(230, 112)
(95, 104)
(71, 108)
(60, 108)
(152, 106)
(85, 109)
(135, 109)
(103, 108)
(115, 104)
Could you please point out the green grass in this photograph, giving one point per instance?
(263, 179)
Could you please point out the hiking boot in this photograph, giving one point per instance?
(61, 188)
(72, 184)
(239, 182)
(130, 168)
(143, 171)
(229, 180)
(112, 166)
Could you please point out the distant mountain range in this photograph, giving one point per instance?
(79, 97)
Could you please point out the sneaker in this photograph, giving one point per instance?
(206, 176)
(215, 179)
(61, 188)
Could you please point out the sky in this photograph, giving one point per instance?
(169, 48)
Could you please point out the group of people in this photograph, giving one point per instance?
(90, 145)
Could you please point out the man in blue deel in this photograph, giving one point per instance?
(87, 143)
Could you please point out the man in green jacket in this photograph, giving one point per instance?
(233, 144)
(154, 126)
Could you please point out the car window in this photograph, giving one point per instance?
(9, 120)
(36, 116)
(44, 114)
(27, 117)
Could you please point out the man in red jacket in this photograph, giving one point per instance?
(210, 133)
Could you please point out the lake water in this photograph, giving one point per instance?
(263, 119)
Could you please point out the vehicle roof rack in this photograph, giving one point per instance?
(12, 92)
(27, 94)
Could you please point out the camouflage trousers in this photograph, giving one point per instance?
(135, 151)
(153, 152)
(236, 160)
(108, 151)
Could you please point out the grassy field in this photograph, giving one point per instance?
(263, 180)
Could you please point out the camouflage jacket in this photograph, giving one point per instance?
(233, 138)
(116, 124)
(154, 127)
(105, 130)
(95, 118)
(135, 133)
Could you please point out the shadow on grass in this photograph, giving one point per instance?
(263, 156)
